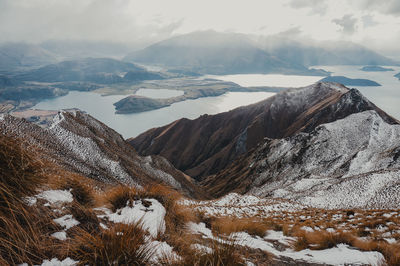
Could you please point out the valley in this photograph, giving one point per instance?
(199, 148)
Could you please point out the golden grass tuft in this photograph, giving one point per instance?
(228, 253)
(86, 217)
(24, 230)
(228, 226)
(81, 189)
(21, 172)
(118, 196)
(120, 245)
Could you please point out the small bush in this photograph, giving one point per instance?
(81, 189)
(87, 218)
(21, 172)
(228, 226)
(119, 196)
(121, 245)
(223, 254)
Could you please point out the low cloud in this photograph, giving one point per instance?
(390, 7)
(348, 24)
(368, 21)
(95, 20)
(316, 6)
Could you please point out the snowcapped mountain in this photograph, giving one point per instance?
(352, 162)
(208, 144)
(82, 144)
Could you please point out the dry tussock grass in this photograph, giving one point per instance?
(228, 253)
(228, 226)
(120, 245)
(24, 230)
(81, 188)
(319, 240)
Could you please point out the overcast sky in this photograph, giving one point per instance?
(375, 23)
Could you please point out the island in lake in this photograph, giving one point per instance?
(376, 69)
(192, 89)
(350, 82)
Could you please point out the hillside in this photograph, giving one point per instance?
(80, 143)
(22, 55)
(376, 69)
(350, 82)
(98, 70)
(313, 53)
(322, 191)
(209, 52)
(350, 163)
(207, 145)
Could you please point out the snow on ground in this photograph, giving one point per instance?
(163, 250)
(237, 205)
(57, 120)
(278, 236)
(371, 191)
(57, 262)
(56, 196)
(66, 221)
(351, 158)
(161, 175)
(340, 255)
(149, 212)
(201, 248)
(89, 152)
(62, 235)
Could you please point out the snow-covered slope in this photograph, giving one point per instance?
(82, 144)
(352, 162)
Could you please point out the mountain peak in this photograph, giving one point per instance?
(208, 144)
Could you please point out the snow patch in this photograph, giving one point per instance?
(57, 262)
(62, 235)
(55, 196)
(149, 212)
(66, 221)
(163, 250)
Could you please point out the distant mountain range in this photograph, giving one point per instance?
(203, 52)
(376, 69)
(350, 82)
(227, 53)
(97, 70)
(215, 53)
(312, 53)
(21, 55)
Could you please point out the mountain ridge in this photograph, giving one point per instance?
(82, 144)
(206, 145)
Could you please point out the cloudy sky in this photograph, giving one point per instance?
(375, 23)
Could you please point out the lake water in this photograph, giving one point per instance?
(386, 97)
(273, 80)
(131, 125)
(159, 93)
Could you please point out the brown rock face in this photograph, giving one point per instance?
(208, 144)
